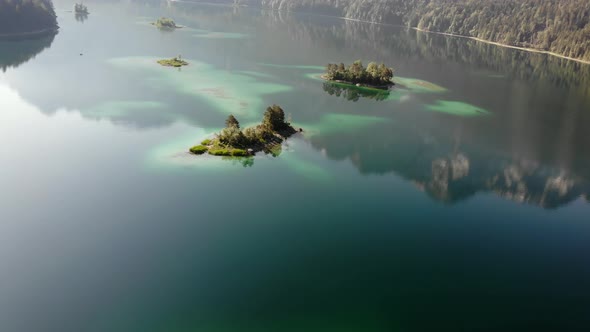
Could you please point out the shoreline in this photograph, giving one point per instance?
(526, 49)
(359, 85)
(532, 50)
(37, 33)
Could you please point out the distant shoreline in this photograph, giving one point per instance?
(533, 50)
(37, 33)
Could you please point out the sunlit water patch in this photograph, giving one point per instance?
(340, 123)
(314, 76)
(417, 85)
(457, 108)
(256, 74)
(227, 92)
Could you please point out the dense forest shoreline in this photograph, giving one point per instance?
(556, 27)
(533, 50)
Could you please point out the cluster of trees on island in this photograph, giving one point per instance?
(233, 141)
(166, 23)
(176, 62)
(356, 73)
(80, 9)
(19, 17)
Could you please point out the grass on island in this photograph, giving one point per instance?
(176, 62)
(235, 142)
(227, 152)
(199, 149)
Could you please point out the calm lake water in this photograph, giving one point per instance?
(459, 201)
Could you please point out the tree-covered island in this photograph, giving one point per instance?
(80, 9)
(166, 23)
(176, 62)
(377, 76)
(233, 141)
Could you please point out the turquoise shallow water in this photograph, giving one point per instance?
(458, 201)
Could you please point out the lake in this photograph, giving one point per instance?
(457, 201)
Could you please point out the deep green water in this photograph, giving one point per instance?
(457, 202)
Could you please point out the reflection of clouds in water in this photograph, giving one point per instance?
(134, 113)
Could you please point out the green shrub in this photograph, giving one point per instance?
(206, 142)
(199, 149)
(232, 136)
(239, 153)
(220, 152)
(276, 150)
(250, 134)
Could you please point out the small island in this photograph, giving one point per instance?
(232, 141)
(166, 24)
(80, 9)
(375, 76)
(176, 62)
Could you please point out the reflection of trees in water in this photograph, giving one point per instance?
(14, 53)
(451, 169)
(243, 161)
(354, 93)
(22, 16)
(381, 42)
(81, 17)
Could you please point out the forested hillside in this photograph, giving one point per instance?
(559, 26)
(26, 16)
